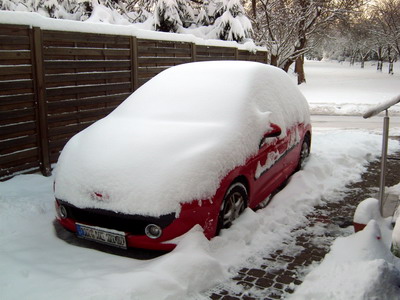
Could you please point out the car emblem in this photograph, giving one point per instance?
(99, 196)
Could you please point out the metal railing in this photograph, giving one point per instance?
(384, 106)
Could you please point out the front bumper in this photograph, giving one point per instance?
(134, 226)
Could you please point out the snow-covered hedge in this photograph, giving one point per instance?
(214, 19)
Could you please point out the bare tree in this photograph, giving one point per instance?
(286, 27)
(386, 18)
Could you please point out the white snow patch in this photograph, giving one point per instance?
(358, 267)
(335, 88)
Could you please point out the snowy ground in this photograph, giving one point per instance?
(335, 88)
(39, 265)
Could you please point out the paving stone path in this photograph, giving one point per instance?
(282, 271)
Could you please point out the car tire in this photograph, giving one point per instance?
(235, 202)
(304, 153)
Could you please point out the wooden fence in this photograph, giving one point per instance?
(53, 84)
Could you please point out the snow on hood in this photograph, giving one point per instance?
(176, 137)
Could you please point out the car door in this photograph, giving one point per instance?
(292, 155)
(269, 167)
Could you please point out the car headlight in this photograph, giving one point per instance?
(153, 231)
(61, 211)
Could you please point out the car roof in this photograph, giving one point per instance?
(218, 91)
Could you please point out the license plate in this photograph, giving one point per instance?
(102, 235)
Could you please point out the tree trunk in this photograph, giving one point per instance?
(391, 67)
(362, 64)
(254, 7)
(379, 65)
(299, 69)
(391, 59)
(287, 65)
(274, 60)
(380, 59)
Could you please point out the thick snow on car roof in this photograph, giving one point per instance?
(176, 137)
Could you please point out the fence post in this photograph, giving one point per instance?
(382, 182)
(134, 63)
(236, 54)
(194, 52)
(41, 101)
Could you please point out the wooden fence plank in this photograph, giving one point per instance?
(23, 127)
(93, 38)
(13, 55)
(16, 99)
(200, 58)
(23, 141)
(87, 101)
(85, 64)
(17, 113)
(145, 51)
(92, 52)
(169, 60)
(14, 30)
(208, 50)
(87, 89)
(72, 129)
(15, 84)
(94, 76)
(7, 70)
(15, 40)
(12, 157)
(80, 115)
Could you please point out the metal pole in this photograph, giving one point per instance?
(385, 139)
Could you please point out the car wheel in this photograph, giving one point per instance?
(304, 153)
(235, 202)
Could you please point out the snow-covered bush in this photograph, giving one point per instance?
(209, 19)
(166, 16)
(103, 14)
(232, 25)
(202, 17)
(186, 13)
(58, 9)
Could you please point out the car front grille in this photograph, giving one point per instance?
(134, 224)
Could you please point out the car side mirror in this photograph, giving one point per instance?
(275, 131)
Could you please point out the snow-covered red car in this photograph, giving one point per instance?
(197, 144)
